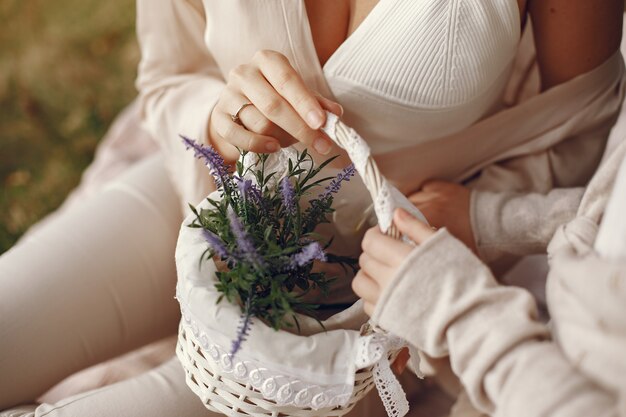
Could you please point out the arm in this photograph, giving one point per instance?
(519, 224)
(182, 92)
(574, 36)
(517, 204)
(179, 83)
(444, 301)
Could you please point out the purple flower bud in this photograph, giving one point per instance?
(249, 191)
(335, 183)
(288, 195)
(308, 254)
(211, 158)
(215, 243)
(244, 186)
(243, 330)
(246, 247)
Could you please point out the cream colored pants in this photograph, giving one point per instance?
(96, 282)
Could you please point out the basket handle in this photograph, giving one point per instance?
(360, 154)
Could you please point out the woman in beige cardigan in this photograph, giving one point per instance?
(443, 300)
(440, 89)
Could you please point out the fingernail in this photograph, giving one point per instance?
(271, 147)
(322, 146)
(340, 109)
(315, 119)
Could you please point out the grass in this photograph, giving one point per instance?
(67, 67)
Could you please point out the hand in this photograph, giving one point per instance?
(383, 255)
(447, 204)
(284, 110)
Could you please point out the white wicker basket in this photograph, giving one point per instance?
(222, 394)
(229, 387)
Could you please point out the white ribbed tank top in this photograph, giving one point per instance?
(431, 67)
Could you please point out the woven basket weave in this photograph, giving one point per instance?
(226, 396)
(221, 393)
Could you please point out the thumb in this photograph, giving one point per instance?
(330, 105)
(416, 230)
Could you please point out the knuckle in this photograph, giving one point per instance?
(362, 260)
(265, 55)
(303, 133)
(250, 142)
(366, 244)
(229, 132)
(263, 126)
(284, 78)
(357, 283)
(272, 106)
(238, 72)
(304, 100)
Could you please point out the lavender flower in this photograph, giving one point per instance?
(249, 191)
(243, 330)
(288, 195)
(246, 247)
(335, 184)
(244, 187)
(215, 243)
(308, 254)
(211, 158)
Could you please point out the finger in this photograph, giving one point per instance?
(330, 105)
(242, 138)
(276, 68)
(252, 119)
(399, 365)
(365, 287)
(278, 110)
(388, 251)
(369, 308)
(421, 197)
(257, 123)
(435, 185)
(417, 231)
(376, 270)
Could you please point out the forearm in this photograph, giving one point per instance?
(179, 83)
(445, 302)
(518, 224)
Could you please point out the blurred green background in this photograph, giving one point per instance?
(67, 67)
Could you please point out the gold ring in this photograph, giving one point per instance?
(235, 117)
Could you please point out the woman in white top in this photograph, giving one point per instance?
(422, 81)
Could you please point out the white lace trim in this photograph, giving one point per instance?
(389, 389)
(273, 385)
(374, 350)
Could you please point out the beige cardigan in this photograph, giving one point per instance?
(446, 302)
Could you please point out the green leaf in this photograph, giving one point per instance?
(326, 162)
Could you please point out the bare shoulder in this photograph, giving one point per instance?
(574, 36)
